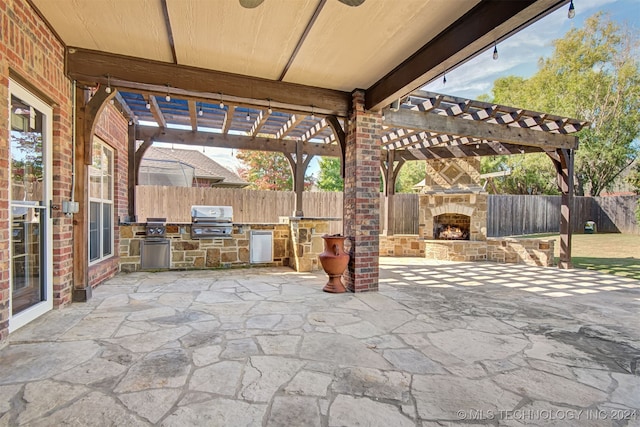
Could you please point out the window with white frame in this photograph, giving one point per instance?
(100, 202)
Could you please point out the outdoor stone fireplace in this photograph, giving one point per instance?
(453, 219)
(453, 204)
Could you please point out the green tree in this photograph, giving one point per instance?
(265, 170)
(268, 171)
(410, 174)
(330, 178)
(593, 74)
(528, 174)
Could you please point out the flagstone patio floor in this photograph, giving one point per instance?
(440, 344)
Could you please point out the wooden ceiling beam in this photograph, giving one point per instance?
(240, 142)
(470, 35)
(125, 107)
(93, 66)
(156, 112)
(314, 130)
(193, 114)
(465, 150)
(291, 124)
(228, 118)
(259, 122)
(430, 122)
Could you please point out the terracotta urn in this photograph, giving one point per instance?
(334, 261)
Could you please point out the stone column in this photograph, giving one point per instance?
(362, 196)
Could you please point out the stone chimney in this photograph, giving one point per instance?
(446, 176)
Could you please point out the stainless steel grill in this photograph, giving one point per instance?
(211, 221)
(156, 228)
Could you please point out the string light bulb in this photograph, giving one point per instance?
(248, 118)
(444, 79)
(572, 10)
(495, 52)
(108, 88)
(221, 103)
(200, 112)
(269, 110)
(168, 97)
(313, 115)
(148, 106)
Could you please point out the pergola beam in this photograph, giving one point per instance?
(125, 71)
(468, 150)
(156, 112)
(193, 114)
(430, 122)
(240, 142)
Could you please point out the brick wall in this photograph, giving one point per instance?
(362, 196)
(32, 55)
(113, 128)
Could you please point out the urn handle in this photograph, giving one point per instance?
(336, 249)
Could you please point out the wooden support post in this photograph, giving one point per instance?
(298, 180)
(563, 161)
(86, 114)
(389, 191)
(340, 137)
(132, 174)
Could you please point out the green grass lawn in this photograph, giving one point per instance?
(617, 254)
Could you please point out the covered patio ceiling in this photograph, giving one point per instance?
(304, 55)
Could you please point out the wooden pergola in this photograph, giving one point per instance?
(421, 126)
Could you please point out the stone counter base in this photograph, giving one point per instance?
(188, 253)
(497, 249)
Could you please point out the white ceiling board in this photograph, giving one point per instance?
(224, 36)
(133, 28)
(379, 34)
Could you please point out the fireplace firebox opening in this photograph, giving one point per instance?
(451, 226)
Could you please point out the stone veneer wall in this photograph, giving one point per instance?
(410, 245)
(502, 250)
(307, 243)
(521, 251)
(455, 250)
(188, 253)
(473, 205)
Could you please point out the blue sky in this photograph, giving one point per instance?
(518, 56)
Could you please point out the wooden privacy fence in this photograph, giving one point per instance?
(507, 214)
(249, 206)
(510, 215)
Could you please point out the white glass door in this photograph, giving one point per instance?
(31, 283)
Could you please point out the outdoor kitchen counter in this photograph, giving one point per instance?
(219, 252)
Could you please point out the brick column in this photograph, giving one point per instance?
(362, 196)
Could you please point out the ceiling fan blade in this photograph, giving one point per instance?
(250, 4)
(353, 3)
